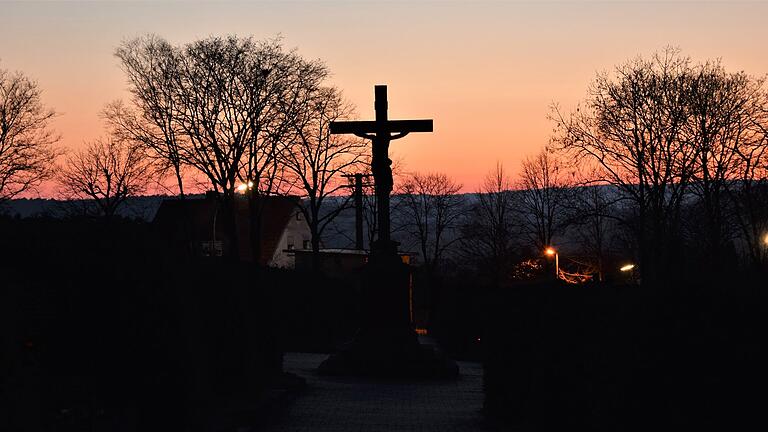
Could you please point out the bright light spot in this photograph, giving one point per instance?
(242, 187)
(765, 239)
(627, 267)
(250, 184)
(550, 251)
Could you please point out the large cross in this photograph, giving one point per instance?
(381, 131)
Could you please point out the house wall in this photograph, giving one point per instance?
(296, 235)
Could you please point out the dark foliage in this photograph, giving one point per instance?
(612, 358)
(103, 331)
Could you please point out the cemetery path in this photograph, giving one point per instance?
(333, 404)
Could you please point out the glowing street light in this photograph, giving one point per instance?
(627, 267)
(244, 186)
(550, 252)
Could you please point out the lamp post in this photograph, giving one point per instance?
(551, 251)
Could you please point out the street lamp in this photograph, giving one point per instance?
(627, 267)
(550, 252)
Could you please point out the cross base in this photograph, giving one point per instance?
(388, 353)
(386, 344)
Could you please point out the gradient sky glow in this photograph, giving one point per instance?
(485, 71)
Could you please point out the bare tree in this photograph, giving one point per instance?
(317, 160)
(592, 218)
(749, 194)
(289, 82)
(108, 172)
(632, 126)
(26, 140)
(167, 163)
(541, 198)
(291, 89)
(487, 236)
(224, 107)
(151, 66)
(723, 111)
(218, 84)
(432, 212)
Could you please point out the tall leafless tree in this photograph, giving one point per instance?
(749, 194)
(151, 65)
(167, 163)
(27, 150)
(489, 232)
(222, 106)
(108, 172)
(541, 198)
(218, 87)
(285, 84)
(593, 220)
(632, 127)
(317, 160)
(723, 109)
(432, 213)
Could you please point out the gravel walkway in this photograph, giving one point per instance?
(333, 404)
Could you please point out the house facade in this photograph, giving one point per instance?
(201, 228)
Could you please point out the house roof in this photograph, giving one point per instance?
(203, 220)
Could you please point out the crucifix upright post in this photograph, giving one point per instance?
(381, 164)
(381, 132)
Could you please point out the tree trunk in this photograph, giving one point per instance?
(255, 210)
(180, 182)
(315, 247)
(229, 206)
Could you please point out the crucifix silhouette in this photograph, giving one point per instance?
(381, 131)
(386, 343)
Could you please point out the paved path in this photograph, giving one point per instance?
(332, 404)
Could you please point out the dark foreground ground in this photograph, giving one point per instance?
(332, 404)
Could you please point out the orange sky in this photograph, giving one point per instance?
(486, 72)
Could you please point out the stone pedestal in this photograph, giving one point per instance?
(386, 344)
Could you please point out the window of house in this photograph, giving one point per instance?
(306, 244)
(290, 245)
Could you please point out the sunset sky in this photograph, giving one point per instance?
(486, 72)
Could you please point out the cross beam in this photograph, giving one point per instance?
(381, 131)
(367, 129)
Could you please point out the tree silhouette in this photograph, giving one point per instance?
(632, 126)
(684, 147)
(317, 160)
(431, 210)
(490, 230)
(26, 140)
(108, 171)
(150, 64)
(541, 198)
(726, 110)
(224, 107)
